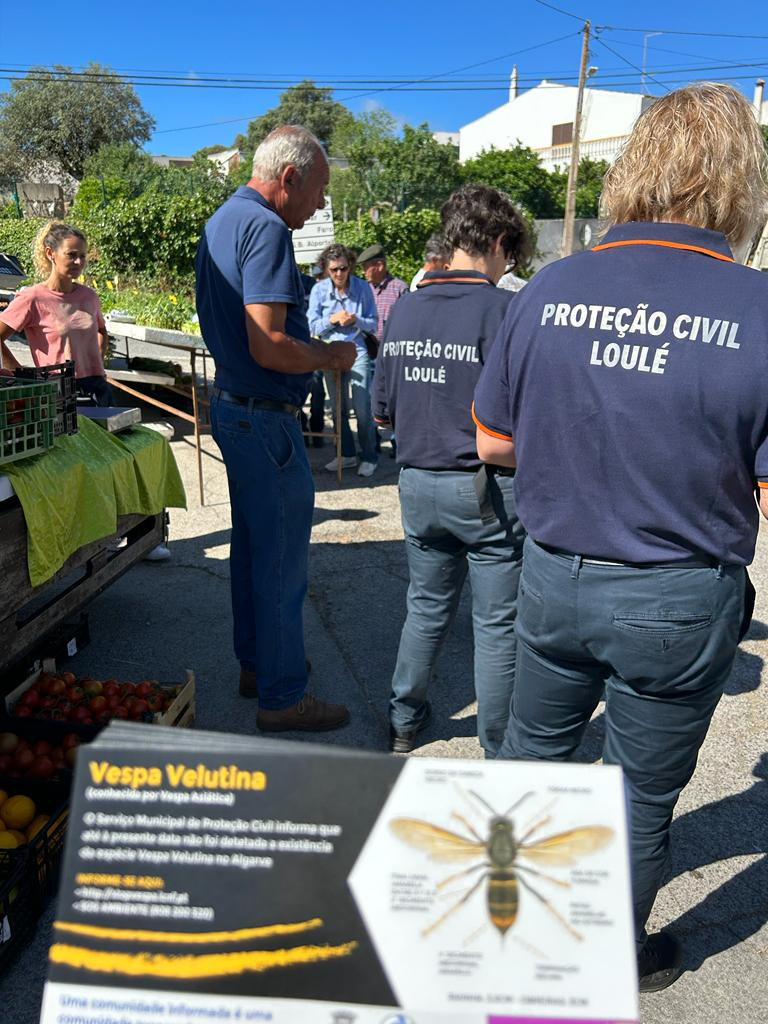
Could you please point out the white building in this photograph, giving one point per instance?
(227, 161)
(542, 119)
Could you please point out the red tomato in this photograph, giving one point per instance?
(42, 768)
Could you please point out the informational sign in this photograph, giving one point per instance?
(317, 233)
(225, 878)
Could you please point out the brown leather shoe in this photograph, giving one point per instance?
(309, 715)
(248, 685)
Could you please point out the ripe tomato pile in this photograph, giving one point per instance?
(65, 698)
(36, 759)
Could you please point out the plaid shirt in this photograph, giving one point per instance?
(386, 295)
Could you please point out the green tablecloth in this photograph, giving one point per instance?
(73, 493)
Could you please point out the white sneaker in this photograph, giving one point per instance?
(366, 469)
(347, 462)
(161, 553)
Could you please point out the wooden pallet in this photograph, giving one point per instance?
(28, 614)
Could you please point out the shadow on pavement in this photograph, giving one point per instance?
(736, 826)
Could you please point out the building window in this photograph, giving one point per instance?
(562, 134)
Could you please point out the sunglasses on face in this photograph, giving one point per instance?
(338, 270)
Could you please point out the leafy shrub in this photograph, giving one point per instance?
(167, 310)
(403, 236)
(154, 235)
(17, 237)
(96, 193)
(9, 211)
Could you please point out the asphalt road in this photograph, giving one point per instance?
(162, 618)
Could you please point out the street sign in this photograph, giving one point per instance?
(316, 235)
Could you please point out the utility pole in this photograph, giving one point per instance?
(646, 37)
(573, 170)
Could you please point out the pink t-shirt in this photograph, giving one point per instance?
(60, 326)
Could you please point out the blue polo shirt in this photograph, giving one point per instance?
(434, 347)
(634, 381)
(245, 256)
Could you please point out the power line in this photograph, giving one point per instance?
(568, 14)
(476, 83)
(468, 67)
(616, 53)
(677, 32)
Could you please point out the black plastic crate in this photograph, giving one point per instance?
(30, 873)
(19, 911)
(66, 640)
(28, 876)
(63, 375)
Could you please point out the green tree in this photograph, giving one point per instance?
(126, 162)
(304, 104)
(589, 186)
(403, 236)
(96, 193)
(519, 173)
(411, 171)
(207, 151)
(58, 114)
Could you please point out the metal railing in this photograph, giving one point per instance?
(596, 149)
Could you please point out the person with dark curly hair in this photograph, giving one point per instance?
(459, 518)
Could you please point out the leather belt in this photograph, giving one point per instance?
(267, 404)
(493, 470)
(691, 562)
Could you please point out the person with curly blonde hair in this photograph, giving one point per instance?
(61, 318)
(629, 388)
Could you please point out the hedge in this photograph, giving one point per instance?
(17, 238)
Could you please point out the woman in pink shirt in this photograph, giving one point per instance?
(61, 318)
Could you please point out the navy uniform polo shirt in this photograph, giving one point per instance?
(246, 256)
(434, 347)
(633, 379)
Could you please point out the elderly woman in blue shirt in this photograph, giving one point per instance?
(341, 307)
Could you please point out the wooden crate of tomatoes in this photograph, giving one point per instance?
(63, 697)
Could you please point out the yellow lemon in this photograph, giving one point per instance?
(18, 811)
(39, 822)
(20, 837)
(8, 841)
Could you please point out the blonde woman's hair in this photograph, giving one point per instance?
(695, 156)
(51, 235)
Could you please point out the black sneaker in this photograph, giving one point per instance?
(659, 963)
(404, 742)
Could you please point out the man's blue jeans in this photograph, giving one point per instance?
(444, 538)
(660, 642)
(272, 497)
(358, 380)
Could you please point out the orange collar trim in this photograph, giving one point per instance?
(454, 280)
(669, 245)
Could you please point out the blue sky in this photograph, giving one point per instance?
(389, 40)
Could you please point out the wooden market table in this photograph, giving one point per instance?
(72, 520)
(197, 391)
(27, 613)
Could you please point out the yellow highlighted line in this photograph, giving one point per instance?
(188, 938)
(207, 965)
